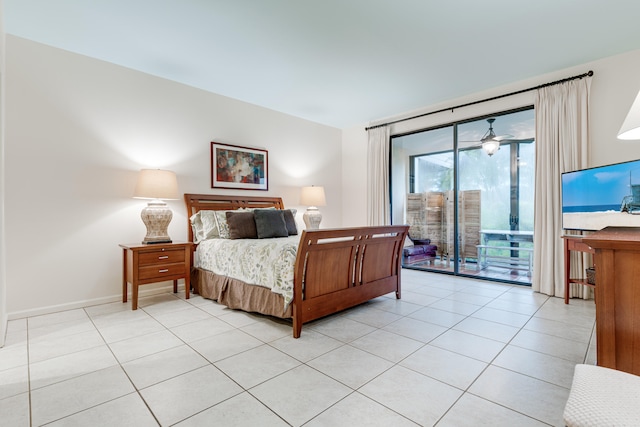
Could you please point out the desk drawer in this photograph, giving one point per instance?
(580, 246)
(161, 257)
(160, 271)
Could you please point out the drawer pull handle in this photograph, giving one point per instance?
(164, 257)
(163, 271)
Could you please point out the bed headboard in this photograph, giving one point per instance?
(216, 202)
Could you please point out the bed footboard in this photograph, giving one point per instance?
(340, 268)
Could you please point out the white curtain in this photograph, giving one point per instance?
(378, 209)
(562, 135)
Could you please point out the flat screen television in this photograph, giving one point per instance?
(604, 196)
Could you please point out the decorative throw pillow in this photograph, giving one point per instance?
(221, 220)
(290, 221)
(270, 223)
(242, 225)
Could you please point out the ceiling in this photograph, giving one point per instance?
(337, 62)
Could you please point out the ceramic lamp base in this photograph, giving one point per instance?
(312, 218)
(156, 217)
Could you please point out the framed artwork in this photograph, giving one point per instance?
(238, 167)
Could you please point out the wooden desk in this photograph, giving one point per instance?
(617, 259)
(573, 243)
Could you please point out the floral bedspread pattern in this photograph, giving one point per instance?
(262, 262)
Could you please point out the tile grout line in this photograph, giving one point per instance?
(489, 364)
(342, 344)
(137, 391)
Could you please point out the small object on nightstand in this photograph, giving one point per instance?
(143, 264)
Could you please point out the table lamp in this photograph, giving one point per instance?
(157, 185)
(631, 126)
(312, 197)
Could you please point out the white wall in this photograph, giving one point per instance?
(615, 83)
(3, 287)
(354, 177)
(77, 132)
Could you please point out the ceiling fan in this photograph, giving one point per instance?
(491, 142)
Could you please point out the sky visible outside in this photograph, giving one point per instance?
(604, 185)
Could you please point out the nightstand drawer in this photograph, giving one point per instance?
(160, 271)
(168, 256)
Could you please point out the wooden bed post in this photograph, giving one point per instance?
(298, 272)
(398, 254)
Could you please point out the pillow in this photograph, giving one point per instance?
(204, 226)
(242, 225)
(196, 227)
(253, 209)
(270, 223)
(209, 225)
(221, 220)
(223, 227)
(290, 221)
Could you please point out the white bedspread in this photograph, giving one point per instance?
(263, 262)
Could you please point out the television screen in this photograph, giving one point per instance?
(600, 197)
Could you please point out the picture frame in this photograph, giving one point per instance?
(237, 167)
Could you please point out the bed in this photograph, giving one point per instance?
(322, 271)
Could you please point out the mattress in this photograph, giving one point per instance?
(266, 263)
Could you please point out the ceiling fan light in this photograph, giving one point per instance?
(491, 146)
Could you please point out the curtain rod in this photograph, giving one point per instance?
(587, 74)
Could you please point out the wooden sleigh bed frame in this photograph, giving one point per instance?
(335, 269)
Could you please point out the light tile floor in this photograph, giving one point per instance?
(451, 352)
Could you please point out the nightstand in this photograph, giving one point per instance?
(151, 263)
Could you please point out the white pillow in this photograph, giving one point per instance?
(209, 224)
(204, 226)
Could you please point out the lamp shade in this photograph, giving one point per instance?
(631, 126)
(491, 146)
(312, 196)
(156, 184)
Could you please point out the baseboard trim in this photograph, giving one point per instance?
(88, 303)
(3, 328)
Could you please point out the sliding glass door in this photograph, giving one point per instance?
(469, 208)
(423, 165)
